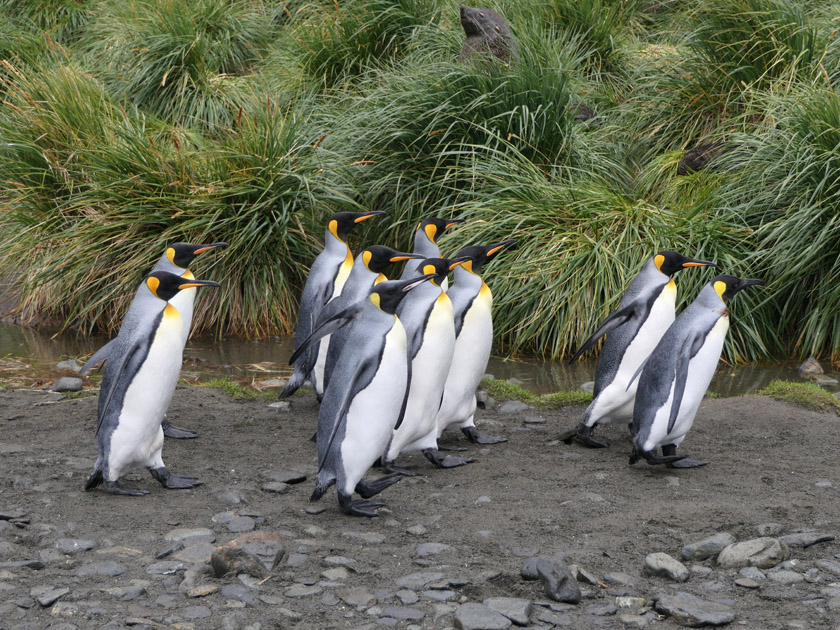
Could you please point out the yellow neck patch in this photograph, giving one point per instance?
(333, 228)
(170, 311)
(658, 260)
(671, 285)
(374, 298)
(720, 288)
(170, 254)
(366, 256)
(380, 278)
(431, 232)
(188, 275)
(468, 266)
(153, 284)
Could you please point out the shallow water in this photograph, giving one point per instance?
(242, 359)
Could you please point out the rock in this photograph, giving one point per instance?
(239, 593)
(805, 539)
(746, 583)
(241, 524)
(357, 596)
(484, 400)
(689, 610)
(558, 582)
(416, 530)
(663, 565)
(810, 366)
(529, 569)
(432, 549)
(515, 609)
(479, 617)
(407, 597)
(829, 565)
(302, 590)
(67, 384)
(126, 593)
(167, 567)
(416, 581)
(514, 406)
(785, 577)
(277, 487)
(314, 509)
(290, 477)
(822, 380)
(229, 559)
(281, 405)
(47, 595)
(73, 545)
(617, 578)
(202, 591)
(71, 365)
(708, 547)
(630, 603)
(487, 32)
(752, 573)
(108, 568)
(200, 553)
(367, 538)
(758, 552)
(698, 157)
(190, 536)
(337, 573)
(770, 529)
(403, 613)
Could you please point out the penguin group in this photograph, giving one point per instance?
(654, 367)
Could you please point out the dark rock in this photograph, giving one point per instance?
(73, 545)
(403, 613)
(515, 609)
(238, 592)
(228, 559)
(432, 549)
(487, 32)
(805, 539)
(689, 610)
(810, 367)
(47, 595)
(582, 112)
(479, 617)
(558, 582)
(698, 157)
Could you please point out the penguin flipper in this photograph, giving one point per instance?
(113, 385)
(405, 398)
(325, 328)
(636, 374)
(691, 346)
(98, 357)
(613, 321)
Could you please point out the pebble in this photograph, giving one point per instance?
(228, 559)
(602, 610)
(48, 595)
(663, 565)
(432, 549)
(285, 476)
(758, 552)
(241, 524)
(617, 578)
(482, 500)
(403, 613)
(277, 487)
(368, 538)
(708, 547)
(785, 577)
(472, 616)
(190, 536)
(203, 591)
(630, 603)
(689, 610)
(70, 364)
(302, 590)
(314, 509)
(281, 405)
(126, 593)
(829, 565)
(200, 553)
(407, 597)
(239, 593)
(107, 568)
(515, 609)
(416, 581)
(416, 530)
(558, 582)
(67, 384)
(357, 596)
(770, 529)
(810, 366)
(633, 621)
(514, 406)
(746, 583)
(196, 612)
(805, 539)
(338, 573)
(73, 545)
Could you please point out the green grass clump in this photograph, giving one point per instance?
(237, 391)
(808, 395)
(504, 390)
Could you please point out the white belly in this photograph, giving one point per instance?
(373, 413)
(324, 344)
(469, 362)
(701, 369)
(138, 437)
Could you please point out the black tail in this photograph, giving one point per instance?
(321, 487)
(297, 379)
(96, 478)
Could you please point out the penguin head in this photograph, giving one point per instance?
(342, 223)
(182, 254)
(378, 257)
(433, 228)
(165, 285)
(386, 296)
(727, 286)
(440, 267)
(669, 262)
(477, 255)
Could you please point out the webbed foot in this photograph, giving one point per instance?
(479, 438)
(652, 458)
(450, 447)
(358, 508)
(446, 461)
(367, 489)
(669, 450)
(172, 481)
(113, 487)
(583, 434)
(178, 433)
(389, 467)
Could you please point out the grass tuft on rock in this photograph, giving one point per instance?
(504, 390)
(808, 395)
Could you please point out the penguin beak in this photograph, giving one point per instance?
(207, 248)
(403, 256)
(198, 283)
(416, 282)
(364, 217)
(749, 282)
(492, 249)
(458, 261)
(693, 262)
(454, 222)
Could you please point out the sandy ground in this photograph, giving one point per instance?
(770, 463)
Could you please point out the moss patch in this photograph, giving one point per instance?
(503, 390)
(808, 395)
(239, 392)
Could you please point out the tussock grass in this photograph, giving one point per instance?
(503, 390)
(808, 395)
(237, 391)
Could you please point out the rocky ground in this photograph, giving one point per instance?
(453, 548)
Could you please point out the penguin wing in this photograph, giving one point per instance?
(325, 328)
(691, 346)
(362, 376)
(405, 398)
(99, 356)
(615, 319)
(131, 360)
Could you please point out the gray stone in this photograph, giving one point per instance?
(529, 569)
(403, 613)
(126, 593)
(67, 384)
(107, 568)
(588, 386)
(515, 609)
(285, 476)
(241, 524)
(444, 595)
(277, 487)
(514, 406)
(367, 538)
(416, 581)
(823, 380)
(810, 366)
(73, 545)
(167, 567)
(770, 529)
(707, 547)
(602, 610)
(340, 561)
(558, 582)
(47, 595)
(302, 590)
(196, 612)
(432, 549)
(630, 603)
(71, 365)
(617, 578)
(200, 553)
(746, 583)
(752, 573)
(337, 573)
(805, 539)
(191, 536)
(416, 530)
(357, 596)
(479, 617)
(239, 593)
(633, 621)
(407, 596)
(663, 565)
(314, 509)
(829, 565)
(281, 405)
(689, 610)
(758, 552)
(552, 617)
(785, 577)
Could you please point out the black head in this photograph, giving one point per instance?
(727, 286)
(439, 267)
(669, 262)
(378, 257)
(342, 223)
(388, 295)
(165, 285)
(477, 255)
(182, 254)
(434, 227)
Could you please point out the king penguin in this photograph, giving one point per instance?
(322, 354)
(175, 259)
(646, 310)
(326, 278)
(137, 387)
(472, 302)
(677, 374)
(425, 243)
(365, 400)
(429, 321)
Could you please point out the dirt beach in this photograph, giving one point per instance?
(447, 537)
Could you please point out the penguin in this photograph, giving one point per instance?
(646, 310)
(364, 402)
(326, 278)
(472, 302)
(677, 374)
(429, 321)
(425, 245)
(175, 259)
(137, 387)
(323, 353)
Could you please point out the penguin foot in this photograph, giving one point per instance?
(450, 447)
(358, 508)
(367, 489)
(389, 467)
(583, 434)
(112, 487)
(172, 481)
(652, 458)
(178, 433)
(446, 461)
(479, 438)
(687, 463)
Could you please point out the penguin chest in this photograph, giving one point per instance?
(343, 273)
(472, 348)
(659, 319)
(183, 303)
(138, 438)
(373, 412)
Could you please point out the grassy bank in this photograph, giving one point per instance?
(128, 124)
